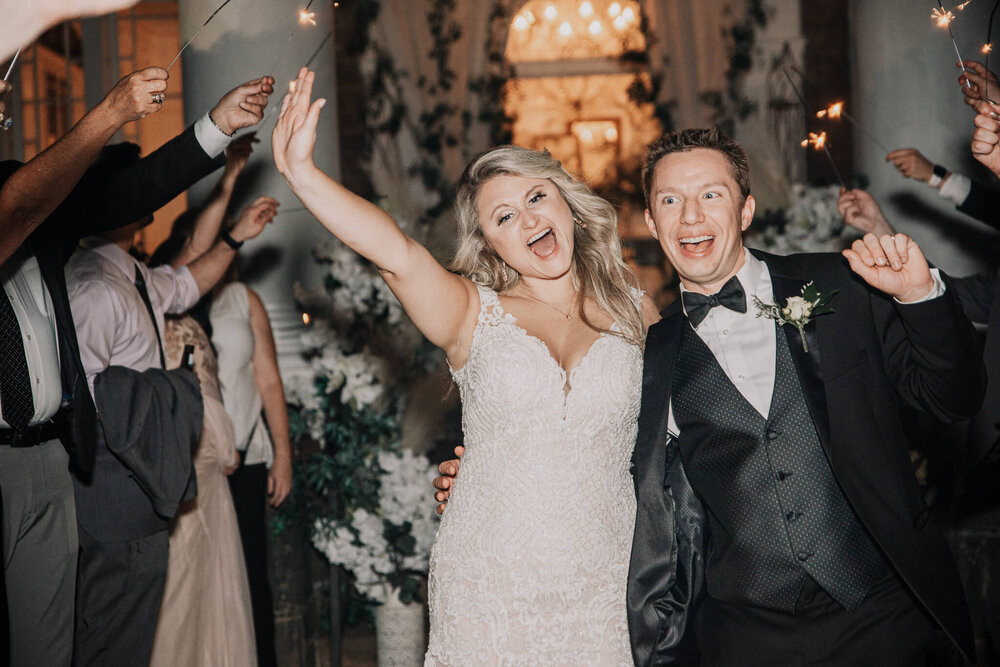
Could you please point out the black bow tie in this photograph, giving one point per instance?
(731, 296)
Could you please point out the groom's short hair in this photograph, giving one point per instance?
(691, 138)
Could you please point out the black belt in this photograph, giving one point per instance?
(30, 436)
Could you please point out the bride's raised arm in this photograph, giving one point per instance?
(441, 304)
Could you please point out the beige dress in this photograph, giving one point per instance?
(205, 619)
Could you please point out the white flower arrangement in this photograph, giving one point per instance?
(798, 311)
(812, 223)
(388, 550)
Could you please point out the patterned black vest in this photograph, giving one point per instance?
(776, 512)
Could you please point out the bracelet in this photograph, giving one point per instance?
(937, 175)
(212, 120)
(230, 241)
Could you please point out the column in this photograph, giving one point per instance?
(247, 39)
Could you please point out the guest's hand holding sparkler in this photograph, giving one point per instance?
(242, 106)
(136, 95)
(986, 135)
(4, 88)
(981, 82)
(911, 163)
(860, 210)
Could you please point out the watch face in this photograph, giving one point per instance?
(939, 171)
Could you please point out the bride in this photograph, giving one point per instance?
(543, 335)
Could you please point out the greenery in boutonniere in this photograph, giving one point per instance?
(798, 310)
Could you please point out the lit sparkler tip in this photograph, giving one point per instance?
(943, 17)
(987, 48)
(291, 86)
(817, 141)
(963, 5)
(307, 17)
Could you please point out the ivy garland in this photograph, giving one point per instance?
(731, 104)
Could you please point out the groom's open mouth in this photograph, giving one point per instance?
(697, 245)
(543, 243)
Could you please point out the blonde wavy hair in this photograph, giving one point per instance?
(598, 270)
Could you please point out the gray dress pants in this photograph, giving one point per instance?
(39, 552)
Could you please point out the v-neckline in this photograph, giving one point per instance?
(567, 375)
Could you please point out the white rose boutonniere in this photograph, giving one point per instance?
(798, 310)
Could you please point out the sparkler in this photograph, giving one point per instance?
(319, 48)
(188, 43)
(305, 18)
(11, 67)
(836, 111)
(6, 122)
(818, 141)
(943, 17)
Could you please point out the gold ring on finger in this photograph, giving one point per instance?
(158, 98)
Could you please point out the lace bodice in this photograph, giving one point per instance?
(531, 559)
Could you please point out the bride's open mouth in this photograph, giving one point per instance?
(544, 243)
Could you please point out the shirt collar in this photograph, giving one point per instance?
(125, 262)
(753, 277)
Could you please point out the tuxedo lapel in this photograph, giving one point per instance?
(808, 364)
(662, 346)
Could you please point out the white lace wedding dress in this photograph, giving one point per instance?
(530, 562)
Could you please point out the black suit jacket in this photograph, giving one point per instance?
(983, 203)
(104, 199)
(864, 359)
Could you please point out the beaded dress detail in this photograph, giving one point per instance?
(531, 559)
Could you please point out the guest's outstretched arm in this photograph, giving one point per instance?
(37, 188)
(212, 215)
(440, 303)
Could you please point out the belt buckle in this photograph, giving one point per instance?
(24, 438)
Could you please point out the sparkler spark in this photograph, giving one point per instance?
(817, 141)
(943, 17)
(307, 17)
(963, 5)
(833, 111)
(987, 48)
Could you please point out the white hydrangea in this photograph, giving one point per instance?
(812, 223)
(359, 543)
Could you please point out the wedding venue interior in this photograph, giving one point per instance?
(818, 93)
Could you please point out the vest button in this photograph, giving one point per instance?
(772, 434)
(921, 519)
(792, 516)
(803, 556)
(782, 475)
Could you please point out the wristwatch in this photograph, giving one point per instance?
(230, 241)
(937, 175)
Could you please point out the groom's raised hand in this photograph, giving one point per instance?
(892, 263)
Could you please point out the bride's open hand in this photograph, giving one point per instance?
(295, 132)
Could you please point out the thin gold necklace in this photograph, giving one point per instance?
(570, 315)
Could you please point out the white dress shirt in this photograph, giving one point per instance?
(22, 281)
(112, 323)
(744, 344)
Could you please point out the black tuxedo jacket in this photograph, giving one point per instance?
(104, 199)
(983, 203)
(864, 360)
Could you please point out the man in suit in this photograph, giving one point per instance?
(816, 542)
(44, 395)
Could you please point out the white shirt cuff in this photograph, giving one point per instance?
(935, 292)
(956, 188)
(213, 141)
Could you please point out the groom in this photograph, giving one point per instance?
(812, 545)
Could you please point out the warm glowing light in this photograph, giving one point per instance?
(586, 9)
(963, 5)
(943, 18)
(291, 86)
(614, 10)
(565, 29)
(611, 134)
(551, 12)
(987, 48)
(305, 318)
(595, 28)
(336, 4)
(833, 111)
(587, 135)
(818, 141)
(628, 14)
(307, 17)
(621, 23)
(521, 23)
